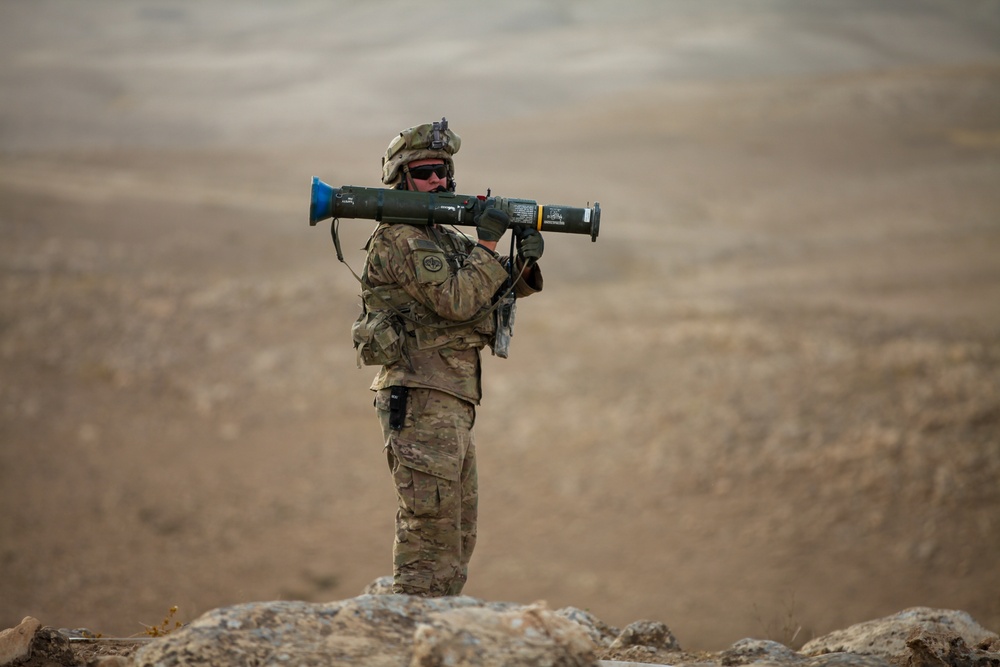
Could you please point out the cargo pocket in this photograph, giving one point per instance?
(418, 492)
(434, 458)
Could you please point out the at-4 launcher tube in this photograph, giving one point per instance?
(422, 208)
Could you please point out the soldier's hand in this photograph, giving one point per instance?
(491, 224)
(530, 245)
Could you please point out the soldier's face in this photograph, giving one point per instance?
(429, 179)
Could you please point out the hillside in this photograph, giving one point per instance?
(767, 398)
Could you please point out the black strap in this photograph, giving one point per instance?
(334, 226)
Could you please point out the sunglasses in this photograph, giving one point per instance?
(423, 172)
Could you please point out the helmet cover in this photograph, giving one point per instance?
(430, 140)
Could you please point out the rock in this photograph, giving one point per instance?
(372, 630)
(845, 659)
(111, 661)
(406, 631)
(747, 651)
(15, 643)
(886, 637)
(653, 634)
(933, 649)
(600, 632)
(31, 644)
(644, 641)
(530, 635)
(49, 647)
(765, 652)
(381, 586)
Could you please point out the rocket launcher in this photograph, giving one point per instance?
(446, 208)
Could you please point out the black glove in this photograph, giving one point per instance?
(530, 245)
(491, 224)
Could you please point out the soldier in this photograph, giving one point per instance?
(428, 311)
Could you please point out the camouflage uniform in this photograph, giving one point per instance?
(446, 282)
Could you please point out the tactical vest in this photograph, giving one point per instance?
(392, 323)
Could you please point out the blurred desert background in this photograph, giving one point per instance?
(766, 402)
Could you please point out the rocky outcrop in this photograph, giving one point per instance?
(418, 632)
(30, 644)
(376, 630)
(888, 637)
(405, 631)
(15, 643)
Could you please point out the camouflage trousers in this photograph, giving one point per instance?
(432, 459)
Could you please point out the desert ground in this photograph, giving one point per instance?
(765, 402)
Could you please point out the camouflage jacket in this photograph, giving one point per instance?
(446, 282)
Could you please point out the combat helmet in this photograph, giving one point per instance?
(430, 140)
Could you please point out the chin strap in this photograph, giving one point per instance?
(407, 179)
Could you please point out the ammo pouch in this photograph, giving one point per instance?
(432, 332)
(378, 338)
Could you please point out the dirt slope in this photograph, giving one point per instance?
(765, 403)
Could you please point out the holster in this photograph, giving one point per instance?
(397, 406)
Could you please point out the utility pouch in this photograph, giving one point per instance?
(397, 406)
(504, 325)
(377, 337)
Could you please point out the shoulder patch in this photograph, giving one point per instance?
(432, 263)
